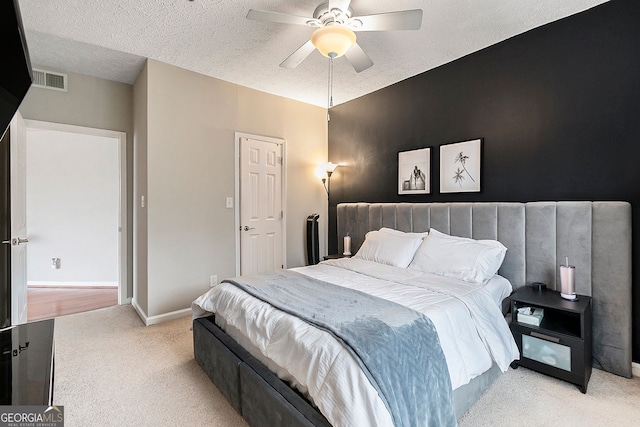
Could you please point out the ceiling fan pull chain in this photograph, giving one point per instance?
(330, 87)
(331, 82)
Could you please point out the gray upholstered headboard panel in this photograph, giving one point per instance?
(596, 236)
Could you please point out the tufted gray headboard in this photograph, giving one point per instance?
(596, 236)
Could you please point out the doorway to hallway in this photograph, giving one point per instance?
(75, 212)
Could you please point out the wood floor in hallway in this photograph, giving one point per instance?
(48, 302)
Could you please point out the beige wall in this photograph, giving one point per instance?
(73, 195)
(304, 127)
(95, 103)
(140, 104)
(190, 124)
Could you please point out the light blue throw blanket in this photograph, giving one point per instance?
(397, 347)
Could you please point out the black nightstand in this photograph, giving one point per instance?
(561, 345)
(335, 256)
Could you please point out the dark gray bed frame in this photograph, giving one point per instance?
(596, 236)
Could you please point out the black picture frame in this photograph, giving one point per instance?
(414, 171)
(461, 166)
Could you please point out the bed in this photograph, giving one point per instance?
(595, 235)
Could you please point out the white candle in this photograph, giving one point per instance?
(347, 245)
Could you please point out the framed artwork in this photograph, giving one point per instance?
(414, 171)
(460, 166)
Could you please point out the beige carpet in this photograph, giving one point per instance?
(524, 397)
(111, 370)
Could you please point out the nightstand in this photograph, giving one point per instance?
(561, 345)
(335, 256)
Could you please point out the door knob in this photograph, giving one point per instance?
(15, 241)
(247, 228)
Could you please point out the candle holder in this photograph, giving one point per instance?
(568, 282)
(347, 245)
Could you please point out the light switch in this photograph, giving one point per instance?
(229, 202)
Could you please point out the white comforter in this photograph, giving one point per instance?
(471, 328)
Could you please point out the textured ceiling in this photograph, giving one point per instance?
(111, 39)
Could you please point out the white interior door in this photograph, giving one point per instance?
(18, 149)
(261, 199)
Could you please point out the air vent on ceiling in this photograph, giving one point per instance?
(49, 80)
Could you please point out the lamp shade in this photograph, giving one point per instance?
(325, 170)
(333, 39)
(330, 167)
(321, 172)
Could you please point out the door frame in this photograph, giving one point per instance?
(123, 249)
(238, 136)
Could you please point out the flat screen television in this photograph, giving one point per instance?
(15, 67)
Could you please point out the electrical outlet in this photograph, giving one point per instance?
(213, 280)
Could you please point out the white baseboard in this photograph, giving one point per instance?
(48, 284)
(153, 320)
(141, 314)
(635, 369)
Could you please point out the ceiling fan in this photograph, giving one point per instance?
(335, 25)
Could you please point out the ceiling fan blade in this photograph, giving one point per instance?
(401, 20)
(298, 55)
(282, 18)
(339, 4)
(358, 58)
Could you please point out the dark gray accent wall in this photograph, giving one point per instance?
(558, 109)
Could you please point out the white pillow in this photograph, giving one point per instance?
(392, 248)
(402, 233)
(458, 257)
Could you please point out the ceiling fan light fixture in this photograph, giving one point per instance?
(333, 39)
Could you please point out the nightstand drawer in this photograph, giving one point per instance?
(547, 335)
(559, 355)
(543, 350)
